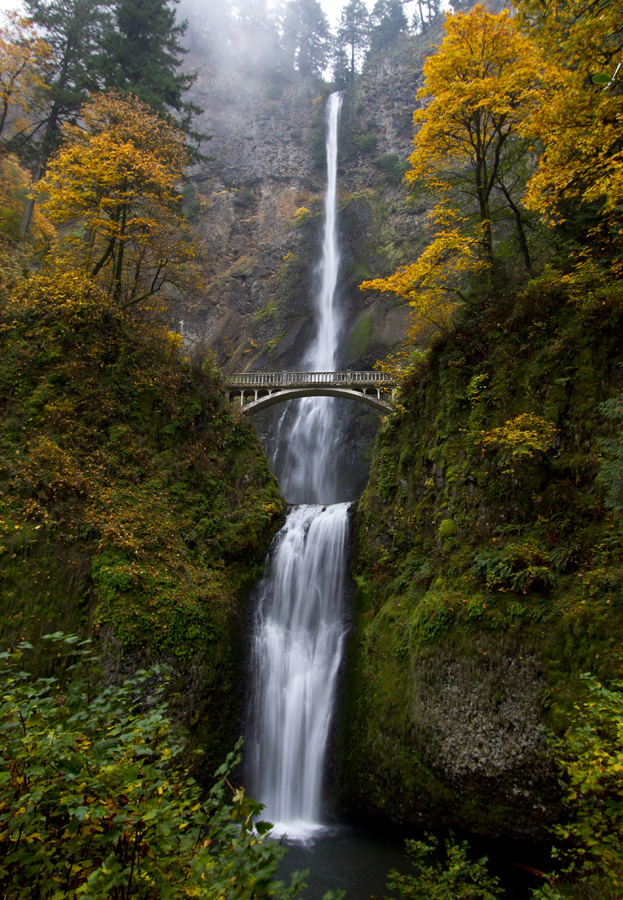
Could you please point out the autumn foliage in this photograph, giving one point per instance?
(480, 87)
(24, 64)
(118, 176)
(522, 127)
(579, 120)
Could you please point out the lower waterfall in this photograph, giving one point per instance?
(297, 650)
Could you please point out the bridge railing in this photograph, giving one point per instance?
(283, 379)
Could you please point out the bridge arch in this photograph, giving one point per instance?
(263, 402)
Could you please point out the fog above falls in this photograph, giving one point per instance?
(275, 40)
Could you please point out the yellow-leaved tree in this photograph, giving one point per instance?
(580, 119)
(15, 185)
(116, 180)
(469, 155)
(24, 65)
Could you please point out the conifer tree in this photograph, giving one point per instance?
(341, 68)
(306, 34)
(429, 10)
(353, 33)
(387, 21)
(73, 30)
(141, 54)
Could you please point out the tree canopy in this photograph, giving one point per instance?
(306, 35)
(479, 88)
(352, 34)
(119, 176)
(579, 123)
(387, 21)
(141, 54)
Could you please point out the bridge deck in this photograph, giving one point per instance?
(292, 379)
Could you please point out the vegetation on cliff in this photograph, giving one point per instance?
(114, 445)
(134, 508)
(96, 803)
(132, 505)
(489, 547)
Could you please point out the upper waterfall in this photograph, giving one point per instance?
(307, 434)
(322, 355)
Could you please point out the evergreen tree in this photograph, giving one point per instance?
(429, 10)
(210, 27)
(132, 46)
(387, 21)
(141, 54)
(73, 29)
(353, 33)
(341, 68)
(256, 46)
(306, 35)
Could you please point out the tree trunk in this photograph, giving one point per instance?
(46, 149)
(521, 234)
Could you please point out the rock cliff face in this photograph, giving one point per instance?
(258, 202)
(258, 205)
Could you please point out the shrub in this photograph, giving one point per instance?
(519, 438)
(367, 143)
(96, 803)
(433, 615)
(392, 166)
(456, 877)
(591, 758)
(518, 566)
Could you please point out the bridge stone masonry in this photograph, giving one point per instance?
(259, 390)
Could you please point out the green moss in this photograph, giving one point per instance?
(447, 529)
(359, 339)
(461, 553)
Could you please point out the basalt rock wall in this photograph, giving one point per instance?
(257, 204)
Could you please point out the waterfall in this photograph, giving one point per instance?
(299, 623)
(297, 651)
(307, 473)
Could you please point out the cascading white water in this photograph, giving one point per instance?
(307, 474)
(297, 651)
(299, 627)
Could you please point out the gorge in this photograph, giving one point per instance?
(411, 610)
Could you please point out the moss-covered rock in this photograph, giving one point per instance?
(489, 572)
(133, 506)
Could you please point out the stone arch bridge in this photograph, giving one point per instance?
(259, 390)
